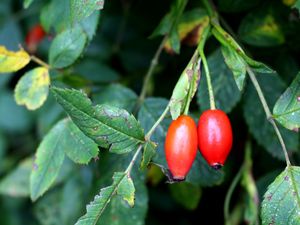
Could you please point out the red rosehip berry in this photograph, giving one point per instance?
(181, 146)
(35, 35)
(214, 137)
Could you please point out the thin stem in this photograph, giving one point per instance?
(207, 5)
(230, 192)
(208, 79)
(128, 170)
(151, 68)
(162, 116)
(186, 108)
(39, 61)
(268, 113)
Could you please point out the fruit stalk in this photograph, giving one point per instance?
(162, 116)
(208, 79)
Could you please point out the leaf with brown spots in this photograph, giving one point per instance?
(185, 88)
(281, 204)
(110, 127)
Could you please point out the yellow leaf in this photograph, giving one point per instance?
(12, 61)
(33, 87)
(289, 2)
(190, 30)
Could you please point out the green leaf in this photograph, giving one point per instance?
(186, 194)
(56, 14)
(12, 61)
(116, 95)
(81, 149)
(67, 47)
(16, 183)
(169, 23)
(194, 81)
(119, 212)
(13, 118)
(49, 159)
(27, 3)
(255, 117)
(89, 24)
(66, 170)
(261, 28)
(126, 190)
(106, 125)
(149, 112)
(48, 168)
(287, 108)
(97, 206)
(236, 64)
(33, 87)
(180, 92)
(281, 204)
(80, 9)
(185, 88)
(208, 176)
(258, 67)
(228, 41)
(227, 95)
(148, 153)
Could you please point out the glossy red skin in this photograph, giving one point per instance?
(214, 137)
(181, 146)
(34, 37)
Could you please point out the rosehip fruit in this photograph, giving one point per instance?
(35, 35)
(181, 146)
(214, 137)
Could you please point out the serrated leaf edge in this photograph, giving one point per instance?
(57, 95)
(114, 190)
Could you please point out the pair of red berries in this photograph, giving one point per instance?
(213, 137)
